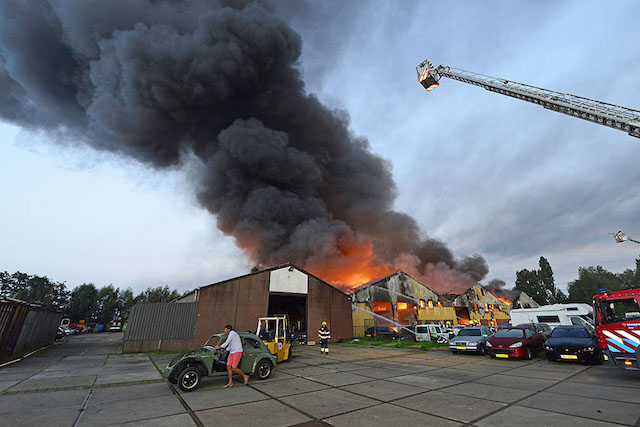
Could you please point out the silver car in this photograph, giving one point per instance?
(473, 339)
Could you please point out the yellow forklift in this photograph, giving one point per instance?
(274, 332)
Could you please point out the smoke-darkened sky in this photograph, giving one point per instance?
(482, 174)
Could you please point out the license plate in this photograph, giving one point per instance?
(461, 347)
(569, 356)
(502, 356)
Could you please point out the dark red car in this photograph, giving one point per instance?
(515, 343)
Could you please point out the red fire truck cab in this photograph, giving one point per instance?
(617, 320)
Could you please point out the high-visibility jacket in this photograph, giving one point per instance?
(324, 333)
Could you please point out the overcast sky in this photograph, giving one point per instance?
(485, 173)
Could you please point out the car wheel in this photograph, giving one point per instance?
(263, 370)
(550, 358)
(189, 379)
(483, 350)
(529, 355)
(598, 359)
(454, 351)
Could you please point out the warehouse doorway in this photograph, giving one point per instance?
(294, 306)
(462, 313)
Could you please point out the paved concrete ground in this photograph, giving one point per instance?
(86, 382)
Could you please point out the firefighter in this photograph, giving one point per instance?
(324, 335)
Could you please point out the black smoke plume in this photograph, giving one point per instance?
(162, 80)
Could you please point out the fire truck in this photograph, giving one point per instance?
(617, 321)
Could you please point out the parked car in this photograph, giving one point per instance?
(187, 369)
(299, 336)
(60, 333)
(515, 343)
(382, 332)
(431, 332)
(67, 330)
(407, 333)
(473, 338)
(573, 343)
(457, 329)
(540, 328)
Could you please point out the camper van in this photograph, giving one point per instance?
(555, 315)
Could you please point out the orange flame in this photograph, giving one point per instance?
(504, 300)
(354, 266)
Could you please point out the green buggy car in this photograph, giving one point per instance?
(187, 369)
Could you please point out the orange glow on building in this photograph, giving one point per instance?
(379, 306)
(402, 306)
(504, 300)
(354, 266)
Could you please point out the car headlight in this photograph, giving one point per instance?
(489, 344)
(589, 349)
(548, 347)
(516, 345)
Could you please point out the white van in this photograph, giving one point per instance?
(430, 332)
(555, 315)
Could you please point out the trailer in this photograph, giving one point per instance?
(555, 315)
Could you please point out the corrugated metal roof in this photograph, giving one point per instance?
(269, 270)
(161, 321)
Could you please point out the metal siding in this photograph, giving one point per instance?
(39, 329)
(12, 315)
(161, 321)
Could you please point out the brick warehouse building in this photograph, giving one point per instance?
(285, 289)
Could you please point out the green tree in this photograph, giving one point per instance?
(84, 301)
(107, 304)
(125, 302)
(528, 281)
(20, 285)
(554, 294)
(540, 284)
(591, 279)
(629, 278)
(157, 294)
(6, 285)
(33, 289)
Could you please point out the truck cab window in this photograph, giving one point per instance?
(622, 310)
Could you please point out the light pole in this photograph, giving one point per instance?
(621, 237)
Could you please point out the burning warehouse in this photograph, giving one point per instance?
(480, 304)
(522, 300)
(401, 299)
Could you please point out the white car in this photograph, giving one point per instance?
(431, 332)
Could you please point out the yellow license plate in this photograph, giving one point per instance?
(461, 347)
(569, 356)
(502, 356)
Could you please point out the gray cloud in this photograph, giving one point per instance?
(284, 174)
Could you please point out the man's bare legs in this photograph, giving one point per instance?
(231, 370)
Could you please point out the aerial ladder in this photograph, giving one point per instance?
(613, 116)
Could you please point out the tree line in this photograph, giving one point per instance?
(540, 285)
(85, 302)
